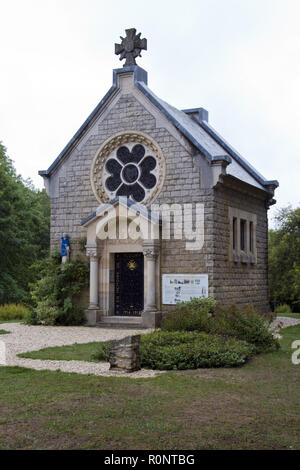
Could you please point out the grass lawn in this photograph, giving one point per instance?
(253, 407)
(4, 332)
(74, 352)
(291, 315)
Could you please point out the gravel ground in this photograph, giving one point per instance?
(282, 322)
(23, 338)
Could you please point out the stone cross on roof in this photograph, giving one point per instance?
(130, 47)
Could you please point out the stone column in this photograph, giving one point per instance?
(92, 313)
(151, 316)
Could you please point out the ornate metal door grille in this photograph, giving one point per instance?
(129, 284)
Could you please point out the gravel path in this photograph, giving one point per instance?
(23, 338)
(283, 322)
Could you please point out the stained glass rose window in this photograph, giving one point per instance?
(130, 172)
(128, 164)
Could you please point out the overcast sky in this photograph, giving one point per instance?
(239, 59)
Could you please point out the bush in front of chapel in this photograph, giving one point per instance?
(179, 350)
(193, 315)
(54, 294)
(245, 324)
(232, 321)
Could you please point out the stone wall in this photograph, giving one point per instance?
(72, 198)
(186, 181)
(237, 282)
(174, 256)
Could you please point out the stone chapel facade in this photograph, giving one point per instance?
(136, 148)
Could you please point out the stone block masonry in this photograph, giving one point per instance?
(125, 354)
(188, 178)
(72, 198)
(238, 283)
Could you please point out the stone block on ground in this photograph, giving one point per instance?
(125, 354)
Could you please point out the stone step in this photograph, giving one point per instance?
(121, 319)
(120, 322)
(126, 326)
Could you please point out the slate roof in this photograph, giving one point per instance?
(199, 132)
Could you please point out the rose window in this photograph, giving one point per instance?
(128, 164)
(131, 171)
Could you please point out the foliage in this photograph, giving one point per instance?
(192, 350)
(13, 312)
(54, 293)
(284, 259)
(283, 308)
(202, 315)
(190, 316)
(244, 324)
(251, 407)
(82, 244)
(172, 350)
(102, 353)
(24, 235)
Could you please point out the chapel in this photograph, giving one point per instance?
(159, 204)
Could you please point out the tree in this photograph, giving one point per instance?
(24, 230)
(284, 259)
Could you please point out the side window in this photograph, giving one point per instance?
(242, 247)
(243, 234)
(234, 232)
(251, 237)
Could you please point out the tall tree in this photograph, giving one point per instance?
(284, 259)
(24, 230)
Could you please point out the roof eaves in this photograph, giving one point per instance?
(78, 134)
(237, 156)
(88, 218)
(139, 75)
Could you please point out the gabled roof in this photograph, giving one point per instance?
(197, 131)
(188, 127)
(236, 156)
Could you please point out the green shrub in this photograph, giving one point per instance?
(190, 316)
(244, 324)
(13, 312)
(102, 353)
(187, 350)
(241, 323)
(53, 295)
(192, 350)
(283, 308)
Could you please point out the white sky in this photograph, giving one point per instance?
(239, 59)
